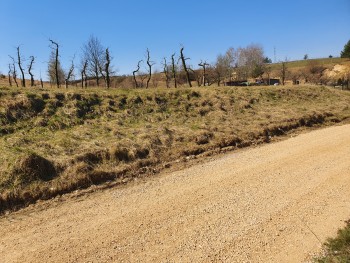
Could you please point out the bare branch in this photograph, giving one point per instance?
(30, 71)
(135, 71)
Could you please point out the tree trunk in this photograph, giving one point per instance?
(83, 75)
(14, 71)
(56, 63)
(108, 62)
(134, 72)
(173, 69)
(20, 67)
(183, 59)
(166, 73)
(150, 64)
(69, 75)
(9, 75)
(30, 71)
(204, 65)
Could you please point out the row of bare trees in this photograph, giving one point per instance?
(96, 64)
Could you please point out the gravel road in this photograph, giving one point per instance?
(272, 203)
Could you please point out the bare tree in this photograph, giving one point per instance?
(136, 71)
(224, 65)
(105, 70)
(166, 73)
(204, 75)
(19, 62)
(55, 49)
(54, 69)
(70, 73)
(173, 69)
(93, 53)
(149, 64)
(9, 75)
(283, 72)
(14, 71)
(250, 60)
(30, 67)
(83, 74)
(183, 60)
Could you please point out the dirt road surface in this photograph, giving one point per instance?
(273, 203)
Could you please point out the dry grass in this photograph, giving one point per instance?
(56, 141)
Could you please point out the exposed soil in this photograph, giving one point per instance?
(273, 203)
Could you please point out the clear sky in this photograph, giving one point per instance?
(206, 28)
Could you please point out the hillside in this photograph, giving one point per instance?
(56, 141)
(313, 71)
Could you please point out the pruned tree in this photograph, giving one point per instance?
(106, 69)
(183, 60)
(136, 71)
(9, 75)
(69, 74)
(54, 70)
(14, 71)
(93, 53)
(173, 69)
(30, 67)
(19, 62)
(149, 64)
(204, 74)
(166, 73)
(54, 48)
(83, 74)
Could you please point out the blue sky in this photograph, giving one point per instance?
(206, 28)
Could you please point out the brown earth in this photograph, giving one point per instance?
(272, 203)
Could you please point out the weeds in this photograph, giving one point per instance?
(337, 250)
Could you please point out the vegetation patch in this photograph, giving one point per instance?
(55, 142)
(337, 250)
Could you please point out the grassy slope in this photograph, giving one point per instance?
(56, 141)
(326, 62)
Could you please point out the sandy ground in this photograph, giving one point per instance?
(273, 203)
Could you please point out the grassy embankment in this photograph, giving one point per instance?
(337, 249)
(54, 141)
